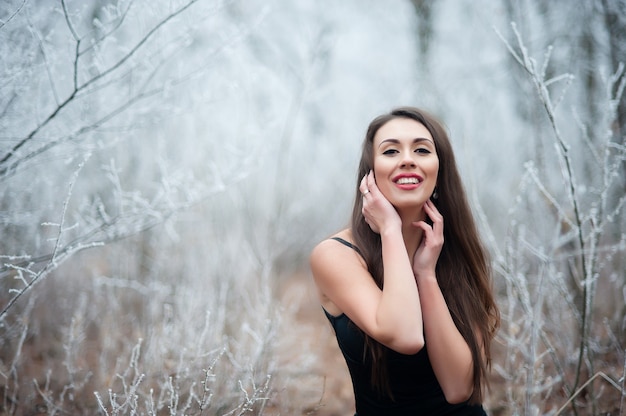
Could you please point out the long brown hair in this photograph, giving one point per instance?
(463, 270)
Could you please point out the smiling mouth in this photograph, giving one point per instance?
(408, 181)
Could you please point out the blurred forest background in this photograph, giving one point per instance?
(166, 167)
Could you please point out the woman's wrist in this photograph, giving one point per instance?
(425, 276)
(391, 230)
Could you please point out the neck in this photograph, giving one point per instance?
(412, 235)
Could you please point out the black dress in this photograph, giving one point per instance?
(413, 383)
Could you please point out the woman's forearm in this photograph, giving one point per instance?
(448, 351)
(399, 310)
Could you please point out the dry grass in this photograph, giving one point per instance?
(83, 342)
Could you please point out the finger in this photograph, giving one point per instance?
(432, 212)
(363, 186)
(436, 218)
(437, 221)
(371, 182)
(431, 236)
(424, 226)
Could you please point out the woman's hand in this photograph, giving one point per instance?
(377, 210)
(427, 254)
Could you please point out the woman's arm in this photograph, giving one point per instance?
(449, 354)
(392, 316)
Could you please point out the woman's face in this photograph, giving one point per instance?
(405, 162)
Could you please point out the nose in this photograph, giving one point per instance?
(407, 160)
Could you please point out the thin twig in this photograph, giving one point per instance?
(622, 400)
(52, 263)
(581, 388)
(78, 88)
(13, 15)
(118, 24)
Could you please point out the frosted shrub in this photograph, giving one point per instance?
(102, 309)
(145, 217)
(561, 269)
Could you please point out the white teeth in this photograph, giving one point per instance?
(403, 181)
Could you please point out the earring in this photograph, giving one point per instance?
(435, 194)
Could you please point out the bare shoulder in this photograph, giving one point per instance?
(330, 253)
(336, 269)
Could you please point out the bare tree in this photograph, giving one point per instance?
(80, 96)
(82, 87)
(580, 244)
(155, 287)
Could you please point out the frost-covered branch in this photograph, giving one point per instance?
(7, 166)
(581, 246)
(136, 215)
(541, 85)
(15, 13)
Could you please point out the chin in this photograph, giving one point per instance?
(409, 204)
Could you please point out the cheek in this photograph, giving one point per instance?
(435, 168)
(434, 173)
(379, 167)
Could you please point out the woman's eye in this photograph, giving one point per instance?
(422, 150)
(390, 152)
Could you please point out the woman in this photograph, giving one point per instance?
(410, 300)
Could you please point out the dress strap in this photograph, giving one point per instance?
(348, 244)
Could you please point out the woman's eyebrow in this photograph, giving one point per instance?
(396, 141)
